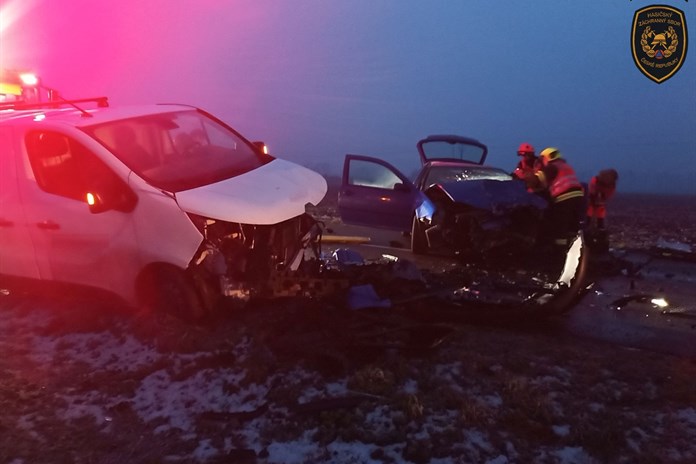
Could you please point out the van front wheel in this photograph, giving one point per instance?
(169, 290)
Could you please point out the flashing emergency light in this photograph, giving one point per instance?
(29, 79)
(91, 200)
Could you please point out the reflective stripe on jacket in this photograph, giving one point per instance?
(564, 184)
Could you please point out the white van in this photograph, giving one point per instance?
(159, 204)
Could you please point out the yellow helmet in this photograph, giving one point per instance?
(550, 154)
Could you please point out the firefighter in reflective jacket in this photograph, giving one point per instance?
(601, 189)
(528, 163)
(565, 195)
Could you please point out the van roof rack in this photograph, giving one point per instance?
(102, 102)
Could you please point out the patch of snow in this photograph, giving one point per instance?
(177, 401)
(511, 450)
(634, 437)
(26, 423)
(477, 441)
(493, 401)
(448, 371)
(498, 460)
(673, 245)
(311, 393)
(596, 407)
(561, 430)
(204, 451)
(687, 415)
(100, 350)
(410, 387)
(293, 452)
(380, 419)
(572, 455)
(82, 405)
(352, 453)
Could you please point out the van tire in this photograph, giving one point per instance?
(168, 290)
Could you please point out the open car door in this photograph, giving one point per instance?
(374, 193)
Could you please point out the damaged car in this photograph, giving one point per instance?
(456, 203)
(166, 206)
(479, 214)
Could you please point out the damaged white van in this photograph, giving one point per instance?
(164, 205)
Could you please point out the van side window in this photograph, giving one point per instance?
(64, 167)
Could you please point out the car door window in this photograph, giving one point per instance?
(62, 166)
(370, 174)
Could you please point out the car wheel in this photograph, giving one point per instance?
(419, 242)
(169, 290)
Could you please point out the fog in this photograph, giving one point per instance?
(317, 79)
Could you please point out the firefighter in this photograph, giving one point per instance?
(528, 163)
(564, 193)
(601, 189)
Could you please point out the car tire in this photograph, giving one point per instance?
(419, 242)
(169, 290)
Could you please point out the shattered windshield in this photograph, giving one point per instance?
(179, 150)
(447, 174)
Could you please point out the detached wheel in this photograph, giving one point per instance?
(169, 290)
(419, 242)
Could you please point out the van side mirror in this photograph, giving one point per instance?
(120, 198)
(261, 146)
(95, 203)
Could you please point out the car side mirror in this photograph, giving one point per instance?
(401, 187)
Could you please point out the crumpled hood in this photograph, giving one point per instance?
(493, 195)
(270, 194)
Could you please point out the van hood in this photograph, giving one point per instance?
(270, 194)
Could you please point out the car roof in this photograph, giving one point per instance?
(75, 117)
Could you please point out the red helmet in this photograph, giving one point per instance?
(525, 149)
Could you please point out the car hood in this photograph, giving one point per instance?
(493, 195)
(270, 194)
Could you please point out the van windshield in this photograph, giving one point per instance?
(179, 150)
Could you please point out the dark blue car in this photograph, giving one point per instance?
(455, 203)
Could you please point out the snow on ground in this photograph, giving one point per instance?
(222, 396)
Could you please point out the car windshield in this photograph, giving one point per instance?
(179, 150)
(453, 150)
(448, 174)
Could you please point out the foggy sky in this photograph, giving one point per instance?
(317, 79)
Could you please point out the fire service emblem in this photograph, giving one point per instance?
(659, 41)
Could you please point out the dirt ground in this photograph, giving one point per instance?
(297, 381)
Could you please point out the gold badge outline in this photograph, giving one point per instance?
(669, 49)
